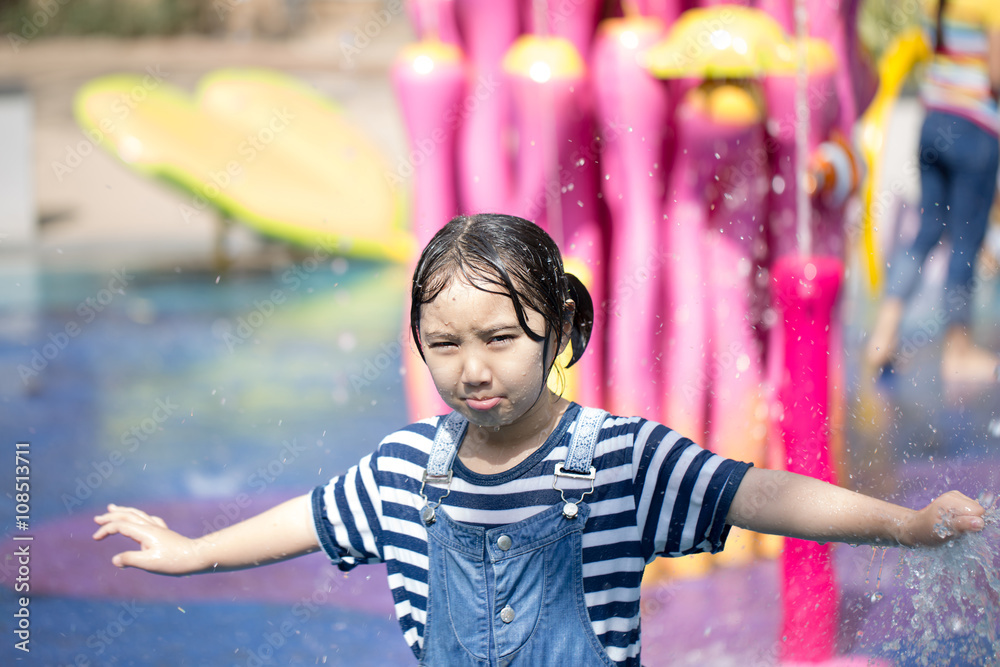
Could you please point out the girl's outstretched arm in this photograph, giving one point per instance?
(783, 503)
(280, 533)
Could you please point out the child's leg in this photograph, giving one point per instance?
(907, 262)
(974, 165)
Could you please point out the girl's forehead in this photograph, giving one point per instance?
(462, 297)
(462, 304)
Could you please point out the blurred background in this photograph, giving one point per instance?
(154, 353)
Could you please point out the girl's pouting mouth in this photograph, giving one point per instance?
(483, 403)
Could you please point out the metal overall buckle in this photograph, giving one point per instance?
(571, 509)
(428, 513)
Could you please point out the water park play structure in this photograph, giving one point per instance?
(694, 165)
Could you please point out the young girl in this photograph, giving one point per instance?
(515, 529)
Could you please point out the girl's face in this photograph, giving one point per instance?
(483, 363)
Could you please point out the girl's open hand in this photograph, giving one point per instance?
(162, 550)
(946, 518)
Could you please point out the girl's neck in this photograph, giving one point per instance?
(489, 451)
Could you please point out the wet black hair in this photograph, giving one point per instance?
(516, 257)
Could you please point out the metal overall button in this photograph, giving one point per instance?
(507, 614)
(428, 514)
(570, 508)
(504, 542)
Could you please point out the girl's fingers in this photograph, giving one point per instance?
(966, 523)
(129, 559)
(963, 503)
(113, 526)
(133, 514)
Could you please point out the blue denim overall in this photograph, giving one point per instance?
(511, 595)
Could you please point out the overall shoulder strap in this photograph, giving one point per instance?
(448, 437)
(584, 440)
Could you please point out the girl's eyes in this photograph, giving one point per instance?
(501, 339)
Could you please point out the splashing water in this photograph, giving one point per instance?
(955, 617)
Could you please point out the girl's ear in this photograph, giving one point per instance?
(569, 313)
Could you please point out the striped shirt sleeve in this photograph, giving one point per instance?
(346, 514)
(683, 493)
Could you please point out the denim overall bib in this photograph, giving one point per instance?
(511, 595)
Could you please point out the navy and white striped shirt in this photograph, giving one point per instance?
(656, 494)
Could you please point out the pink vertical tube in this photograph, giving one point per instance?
(434, 19)
(713, 3)
(806, 290)
(780, 11)
(429, 79)
(735, 250)
(837, 24)
(632, 114)
(685, 346)
(556, 182)
(488, 28)
(575, 20)
(665, 10)
(546, 78)
(585, 246)
(779, 93)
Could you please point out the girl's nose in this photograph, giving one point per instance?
(474, 371)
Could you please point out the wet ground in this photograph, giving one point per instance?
(187, 394)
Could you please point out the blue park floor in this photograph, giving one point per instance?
(206, 397)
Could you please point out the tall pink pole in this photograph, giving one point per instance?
(806, 290)
(856, 82)
(685, 347)
(434, 19)
(585, 251)
(488, 29)
(633, 114)
(780, 11)
(575, 20)
(735, 249)
(556, 182)
(665, 10)
(547, 79)
(429, 79)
